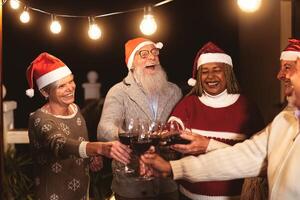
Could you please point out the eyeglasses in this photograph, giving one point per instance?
(145, 53)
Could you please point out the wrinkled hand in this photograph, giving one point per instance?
(145, 170)
(96, 163)
(160, 167)
(117, 151)
(197, 146)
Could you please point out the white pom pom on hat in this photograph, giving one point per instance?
(209, 53)
(30, 92)
(44, 70)
(192, 82)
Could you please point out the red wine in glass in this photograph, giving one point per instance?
(176, 139)
(141, 146)
(126, 138)
(155, 139)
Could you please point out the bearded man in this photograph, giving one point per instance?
(145, 94)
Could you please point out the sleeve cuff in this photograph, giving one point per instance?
(82, 149)
(214, 144)
(177, 169)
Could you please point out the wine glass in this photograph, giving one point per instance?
(141, 144)
(155, 129)
(126, 138)
(175, 131)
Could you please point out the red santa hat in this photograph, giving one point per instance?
(209, 53)
(292, 51)
(45, 69)
(132, 46)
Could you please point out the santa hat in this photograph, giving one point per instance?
(132, 46)
(209, 53)
(292, 51)
(45, 69)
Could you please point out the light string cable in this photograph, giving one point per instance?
(3, 2)
(83, 16)
(148, 25)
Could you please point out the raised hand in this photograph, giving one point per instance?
(198, 144)
(114, 149)
(160, 167)
(117, 151)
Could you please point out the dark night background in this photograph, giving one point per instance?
(183, 26)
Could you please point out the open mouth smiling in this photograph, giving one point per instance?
(69, 95)
(212, 84)
(150, 67)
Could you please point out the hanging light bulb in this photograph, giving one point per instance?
(94, 30)
(148, 25)
(25, 17)
(55, 26)
(249, 5)
(14, 4)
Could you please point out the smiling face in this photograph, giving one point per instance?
(63, 93)
(286, 67)
(294, 76)
(213, 78)
(148, 71)
(147, 59)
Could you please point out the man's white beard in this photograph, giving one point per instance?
(153, 84)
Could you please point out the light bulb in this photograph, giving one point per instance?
(94, 32)
(25, 17)
(14, 4)
(55, 27)
(249, 5)
(148, 25)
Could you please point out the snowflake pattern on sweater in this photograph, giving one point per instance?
(59, 171)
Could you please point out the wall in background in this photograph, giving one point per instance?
(259, 51)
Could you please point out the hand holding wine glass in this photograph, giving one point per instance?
(126, 138)
(173, 136)
(198, 144)
(141, 144)
(159, 166)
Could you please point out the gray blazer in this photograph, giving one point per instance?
(127, 100)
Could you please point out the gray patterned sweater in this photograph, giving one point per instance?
(59, 171)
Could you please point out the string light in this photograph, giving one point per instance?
(14, 4)
(94, 30)
(25, 17)
(249, 5)
(55, 26)
(148, 25)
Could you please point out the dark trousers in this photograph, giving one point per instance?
(167, 196)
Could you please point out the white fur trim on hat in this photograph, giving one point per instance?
(30, 92)
(192, 82)
(158, 45)
(214, 57)
(289, 55)
(53, 76)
